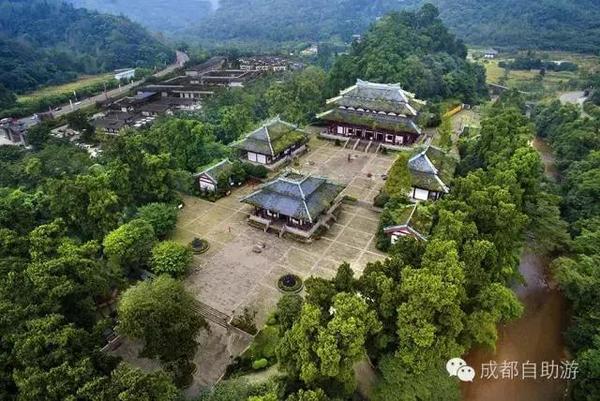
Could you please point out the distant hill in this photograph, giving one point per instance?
(548, 24)
(545, 24)
(47, 42)
(167, 16)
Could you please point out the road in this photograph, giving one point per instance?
(181, 59)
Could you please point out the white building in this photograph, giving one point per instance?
(124, 74)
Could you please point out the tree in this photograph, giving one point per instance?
(162, 217)
(132, 384)
(171, 258)
(445, 132)
(398, 382)
(309, 395)
(38, 136)
(164, 316)
(78, 121)
(398, 181)
(288, 311)
(323, 347)
(129, 246)
(51, 360)
(344, 278)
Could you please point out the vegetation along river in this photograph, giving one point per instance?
(536, 337)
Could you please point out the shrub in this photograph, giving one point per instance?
(171, 258)
(260, 364)
(255, 171)
(162, 217)
(245, 322)
(381, 199)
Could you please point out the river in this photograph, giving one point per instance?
(535, 337)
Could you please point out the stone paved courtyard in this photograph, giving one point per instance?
(230, 276)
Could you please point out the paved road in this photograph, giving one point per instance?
(182, 58)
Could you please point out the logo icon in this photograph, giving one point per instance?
(459, 368)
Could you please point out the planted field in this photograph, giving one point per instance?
(83, 82)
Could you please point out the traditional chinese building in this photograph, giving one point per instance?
(208, 179)
(295, 203)
(430, 172)
(272, 143)
(375, 112)
(413, 221)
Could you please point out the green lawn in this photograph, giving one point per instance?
(65, 88)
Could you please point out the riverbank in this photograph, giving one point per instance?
(536, 337)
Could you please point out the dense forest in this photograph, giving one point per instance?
(575, 141)
(416, 50)
(49, 42)
(290, 20)
(544, 24)
(157, 15)
(548, 24)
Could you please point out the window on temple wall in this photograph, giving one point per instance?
(340, 130)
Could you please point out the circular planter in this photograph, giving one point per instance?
(199, 246)
(290, 284)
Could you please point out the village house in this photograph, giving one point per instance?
(430, 172)
(214, 63)
(490, 53)
(208, 179)
(295, 203)
(369, 111)
(124, 74)
(272, 143)
(14, 131)
(263, 63)
(414, 221)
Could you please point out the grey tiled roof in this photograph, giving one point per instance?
(216, 169)
(271, 138)
(390, 98)
(299, 196)
(371, 120)
(432, 169)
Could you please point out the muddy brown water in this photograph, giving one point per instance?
(536, 337)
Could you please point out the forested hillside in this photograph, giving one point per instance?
(548, 24)
(290, 20)
(156, 15)
(48, 42)
(416, 50)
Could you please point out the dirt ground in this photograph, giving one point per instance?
(230, 276)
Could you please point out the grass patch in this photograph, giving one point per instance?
(54, 90)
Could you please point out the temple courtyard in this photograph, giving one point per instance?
(231, 275)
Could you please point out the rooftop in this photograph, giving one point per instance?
(296, 195)
(417, 217)
(272, 138)
(215, 170)
(389, 98)
(373, 120)
(432, 169)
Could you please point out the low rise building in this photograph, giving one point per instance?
(14, 131)
(208, 179)
(272, 143)
(295, 203)
(430, 173)
(125, 74)
(414, 221)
